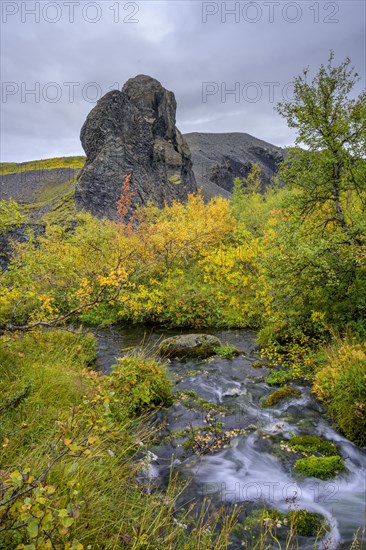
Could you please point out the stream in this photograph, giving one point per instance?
(231, 448)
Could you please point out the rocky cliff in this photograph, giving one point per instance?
(133, 132)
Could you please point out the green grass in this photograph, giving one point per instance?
(76, 162)
(63, 209)
(59, 414)
(41, 377)
(58, 199)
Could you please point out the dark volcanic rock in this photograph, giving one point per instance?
(219, 158)
(133, 132)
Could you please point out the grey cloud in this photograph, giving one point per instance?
(171, 43)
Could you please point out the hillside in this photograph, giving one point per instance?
(219, 158)
(42, 187)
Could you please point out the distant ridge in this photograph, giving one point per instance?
(220, 157)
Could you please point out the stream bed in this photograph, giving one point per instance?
(218, 436)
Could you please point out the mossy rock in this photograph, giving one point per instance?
(301, 522)
(313, 444)
(306, 524)
(320, 467)
(190, 345)
(278, 395)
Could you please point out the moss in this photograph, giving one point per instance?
(175, 179)
(320, 467)
(304, 523)
(261, 364)
(186, 393)
(205, 405)
(189, 345)
(279, 377)
(301, 522)
(226, 352)
(313, 444)
(278, 395)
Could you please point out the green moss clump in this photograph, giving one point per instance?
(175, 179)
(313, 444)
(320, 467)
(301, 522)
(278, 395)
(304, 523)
(226, 352)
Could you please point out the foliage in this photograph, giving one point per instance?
(279, 377)
(342, 385)
(168, 269)
(320, 233)
(140, 384)
(320, 467)
(332, 126)
(278, 395)
(289, 262)
(312, 444)
(10, 215)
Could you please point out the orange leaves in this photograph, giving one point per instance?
(124, 204)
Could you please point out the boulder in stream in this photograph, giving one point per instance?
(189, 345)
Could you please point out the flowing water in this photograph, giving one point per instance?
(248, 461)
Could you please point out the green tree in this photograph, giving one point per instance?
(315, 259)
(253, 182)
(332, 126)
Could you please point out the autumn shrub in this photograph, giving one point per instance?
(141, 384)
(341, 384)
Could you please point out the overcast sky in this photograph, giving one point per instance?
(59, 57)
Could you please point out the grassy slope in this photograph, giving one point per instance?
(43, 164)
(55, 199)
